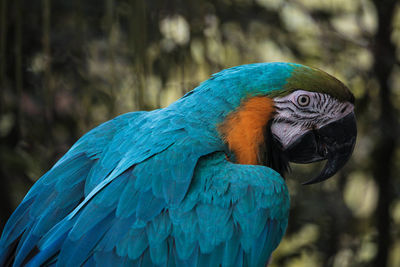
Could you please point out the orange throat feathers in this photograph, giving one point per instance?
(243, 130)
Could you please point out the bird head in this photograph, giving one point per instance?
(297, 114)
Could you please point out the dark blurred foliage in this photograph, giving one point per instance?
(66, 66)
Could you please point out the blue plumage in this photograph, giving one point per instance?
(157, 188)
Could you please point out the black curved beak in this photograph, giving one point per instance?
(333, 142)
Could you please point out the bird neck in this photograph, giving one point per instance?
(247, 132)
(244, 129)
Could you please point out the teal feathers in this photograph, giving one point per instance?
(156, 188)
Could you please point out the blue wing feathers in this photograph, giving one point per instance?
(159, 253)
(25, 245)
(113, 235)
(149, 206)
(145, 173)
(48, 252)
(75, 252)
(159, 229)
(90, 262)
(256, 257)
(133, 244)
(128, 199)
(16, 224)
(174, 259)
(108, 258)
(185, 244)
(213, 231)
(110, 196)
(231, 249)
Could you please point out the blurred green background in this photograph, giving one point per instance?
(66, 66)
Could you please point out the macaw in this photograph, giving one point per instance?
(198, 183)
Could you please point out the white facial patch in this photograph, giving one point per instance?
(302, 111)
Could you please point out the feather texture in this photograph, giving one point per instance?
(157, 188)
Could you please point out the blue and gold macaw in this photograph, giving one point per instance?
(198, 183)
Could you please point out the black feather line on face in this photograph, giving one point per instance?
(271, 153)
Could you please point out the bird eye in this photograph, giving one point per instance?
(303, 100)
